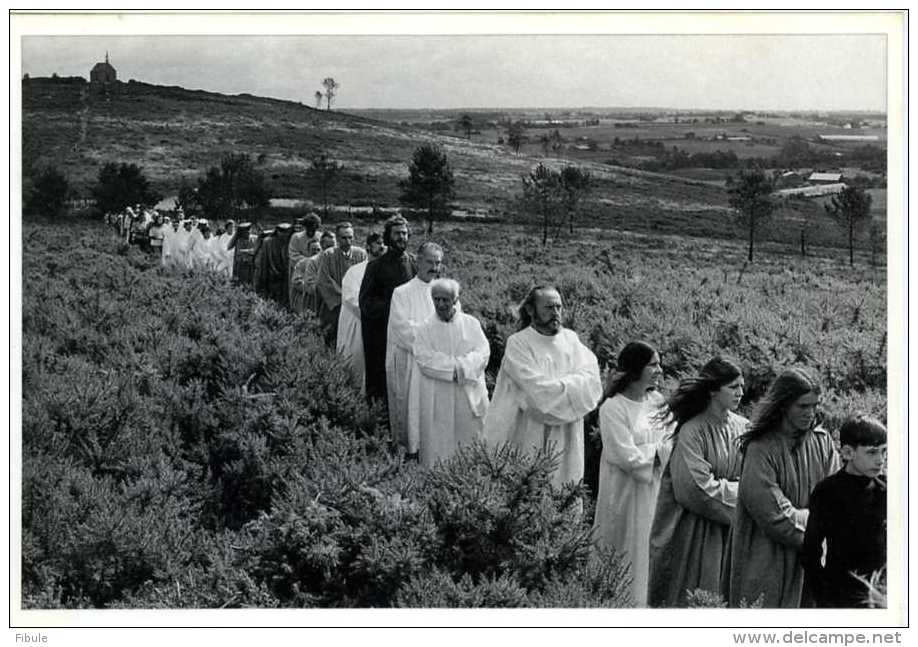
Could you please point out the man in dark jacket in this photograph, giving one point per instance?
(382, 276)
(276, 253)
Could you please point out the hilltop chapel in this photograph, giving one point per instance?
(103, 74)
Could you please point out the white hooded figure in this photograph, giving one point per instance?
(181, 245)
(196, 256)
(447, 397)
(224, 255)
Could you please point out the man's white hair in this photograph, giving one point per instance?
(429, 245)
(445, 285)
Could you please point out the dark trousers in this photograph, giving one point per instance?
(374, 352)
(328, 318)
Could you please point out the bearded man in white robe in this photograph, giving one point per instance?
(447, 398)
(548, 381)
(411, 305)
(349, 337)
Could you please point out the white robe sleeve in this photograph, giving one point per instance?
(583, 385)
(432, 363)
(618, 445)
(402, 328)
(554, 400)
(470, 366)
(350, 289)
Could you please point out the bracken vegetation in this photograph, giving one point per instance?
(186, 444)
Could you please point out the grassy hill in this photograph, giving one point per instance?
(175, 134)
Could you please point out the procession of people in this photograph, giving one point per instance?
(765, 511)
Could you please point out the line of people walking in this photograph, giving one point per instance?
(693, 494)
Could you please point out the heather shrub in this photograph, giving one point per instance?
(438, 589)
(92, 540)
(160, 411)
(495, 512)
(188, 444)
(703, 599)
(334, 538)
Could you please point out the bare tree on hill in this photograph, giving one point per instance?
(750, 195)
(515, 135)
(543, 197)
(851, 210)
(331, 89)
(466, 124)
(576, 184)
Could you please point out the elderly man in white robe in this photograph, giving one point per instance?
(349, 338)
(411, 305)
(447, 398)
(548, 381)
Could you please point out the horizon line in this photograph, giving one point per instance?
(882, 112)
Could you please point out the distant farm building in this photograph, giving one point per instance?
(103, 74)
(813, 191)
(739, 138)
(825, 178)
(850, 138)
(789, 179)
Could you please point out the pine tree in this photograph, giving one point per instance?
(430, 183)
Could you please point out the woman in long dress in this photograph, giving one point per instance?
(689, 539)
(634, 450)
(785, 454)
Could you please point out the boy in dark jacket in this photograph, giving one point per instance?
(848, 511)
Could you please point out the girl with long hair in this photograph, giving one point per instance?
(785, 453)
(634, 450)
(689, 539)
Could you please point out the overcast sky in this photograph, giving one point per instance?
(780, 72)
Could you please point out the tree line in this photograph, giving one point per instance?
(751, 194)
(550, 199)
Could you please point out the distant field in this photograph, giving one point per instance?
(766, 142)
(176, 134)
(710, 175)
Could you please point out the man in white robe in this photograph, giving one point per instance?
(349, 338)
(447, 398)
(224, 255)
(168, 258)
(199, 249)
(411, 305)
(182, 245)
(548, 381)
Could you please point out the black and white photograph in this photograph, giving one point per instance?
(459, 319)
